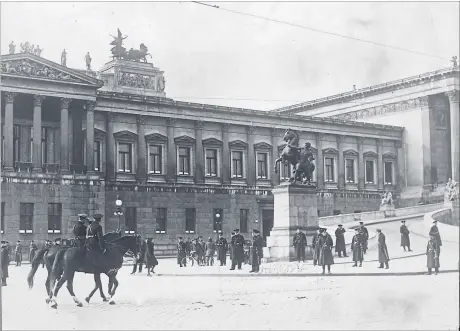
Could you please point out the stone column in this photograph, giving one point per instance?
(90, 136)
(400, 173)
(199, 153)
(171, 170)
(64, 133)
(360, 163)
(141, 172)
(110, 147)
(275, 177)
(341, 165)
(426, 140)
(251, 176)
(8, 149)
(37, 134)
(380, 163)
(225, 155)
(454, 133)
(319, 161)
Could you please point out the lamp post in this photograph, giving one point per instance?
(219, 223)
(118, 212)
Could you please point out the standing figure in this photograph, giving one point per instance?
(12, 48)
(181, 252)
(48, 245)
(256, 250)
(357, 248)
(231, 245)
(139, 259)
(79, 231)
(365, 236)
(150, 260)
(340, 241)
(32, 249)
(326, 258)
(18, 254)
(201, 250)
(405, 240)
(435, 232)
(188, 246)
(38, 50)
(88, 61)
(238, 250)
(5, 261)
(432, 256)
(300, 242)
(222, 247)
(383, 250)
(64, 58)
(210, 250)
(315, 246)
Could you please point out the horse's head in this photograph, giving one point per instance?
(129, 243)
(142, 47)
(290, 137)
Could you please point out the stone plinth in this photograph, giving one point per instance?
(455, 207)
(295, 206)
(389, 210)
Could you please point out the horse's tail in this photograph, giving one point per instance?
(56, 269)
(35, 264)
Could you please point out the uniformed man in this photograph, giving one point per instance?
(48, 245)
(79, 231)
(231, 245)
(315, 246)
(96, 241)
(222, 247)
(364, 236)
(383, 250)
(18, 253)
(435, 232)
(256, 250)
(300, 242)
(357, 248)
(139, 259)
(238, 250)
(57, 242)
(32, 249)
(405, 240)
(181, 253)
(5, 256)
(340, 241)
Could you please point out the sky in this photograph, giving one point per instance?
(213, 56)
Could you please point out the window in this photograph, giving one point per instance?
(244, 220)
(329, 164)
(237, 164)
(125, 157)
(45, 156)
(211, 162)
(26, 217)
(218, 217)
(54, 217)
(190, 220)
(2, 217)
(285, 171)
(161, 220)
(262, 165)
(97, 155)
(130, 220)
(16, 142)
(350, 170)
(155, 159)
(370, 172)
(184, 161)
(388, 173)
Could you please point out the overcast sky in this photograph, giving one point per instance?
(218, 57)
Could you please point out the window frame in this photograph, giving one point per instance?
(189, 143)
(240, 147)
(28, 215)
(366, 179)
(244, 220)
(330, 153)
(180, 164)
(130, 138)
(130, 157)
(129, 230)
(187, 218)
(50, 217)
(157, 139)
(351, 155)
(347, 171)
(264, 163)
(161, 218)
(207, 171)
(152, 164)
(389, 158)
(2, 217)
(326, 174)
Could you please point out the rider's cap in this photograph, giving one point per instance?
(82, 215)
(321, 229)
(98, 216)
(361, 223)
(4, 242)
(434, 222)
(256, 231)
(340, 225)
(237, 230)
(57, 239)
(379, 230)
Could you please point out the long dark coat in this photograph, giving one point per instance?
(150, 259)
(364, 237)
(300, 241)
(432, 257)
(181, 249)
(210, 248)
(222, 247)
(257, 251)
(200, 248)
(238, 243)
(18, 253)
(405, 241)
(340, 240)
(357, 248)
(5, 261)
(315, 246)
(435, 232)
(325, 244)
(383, 250)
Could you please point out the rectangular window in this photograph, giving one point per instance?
(262, 165)
(45, 156)
(54, 217)
(97, 155)
(285, 171)
(130, 220)
(190, 220)
(2, 217)
(125, 157)
(388, 173)
(218, 217)
(26, 217)
(155, 159)
(161, 220)
(211, 162)
(370, 172)
(184, 161)
(329, 164)
(16, 143)
(350, 170)
(237, 164)
(244, 220)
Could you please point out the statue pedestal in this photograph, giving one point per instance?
(295, 206)
(389, 210)
(455, 207)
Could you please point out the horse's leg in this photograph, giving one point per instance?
(277, 161)
(70, 289)
(55, 292)
(101, 290)
(112, 294)
(96, 286)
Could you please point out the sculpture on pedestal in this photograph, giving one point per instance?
(88, 61)
(451, 191)
(300, 160)
(119, 52)
(64, 58)
(12, 48)
(387, 199)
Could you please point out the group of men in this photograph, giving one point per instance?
(146, 255)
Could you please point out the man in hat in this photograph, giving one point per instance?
(300, 241)
(222, 247)
(32, 249)
(210, 250)
(432, 255)
(150, 260)
(79, 230)
(365, 236)
(96, 241)
(238, 250)
(181, 253)
(315, 246)
(383, 250)
(5, 257)
(405, 240)
(357, 248)
(231, 245)
(340, 241)
(435, 232)
(18, 253)
(256, 250)
(326, 258)
(140, 258)
(201, 250)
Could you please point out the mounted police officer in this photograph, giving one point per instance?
(79, 230)
(95, 235)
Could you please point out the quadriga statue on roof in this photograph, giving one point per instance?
(119, 52)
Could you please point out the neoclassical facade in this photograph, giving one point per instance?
(74, 141)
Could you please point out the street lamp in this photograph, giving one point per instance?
(118, 212)
(219, 223)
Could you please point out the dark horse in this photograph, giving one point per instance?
(48, 255)
(290, 152)
(71, 260)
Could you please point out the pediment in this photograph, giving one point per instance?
(30, 66)
(262, 145)
(370, 154)
(212, 141)
(389, 155)
(156, 137)
(330, 151)
(125, 134)
(238, 144)
(184, 139)
(350, 152)
(97, 132)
